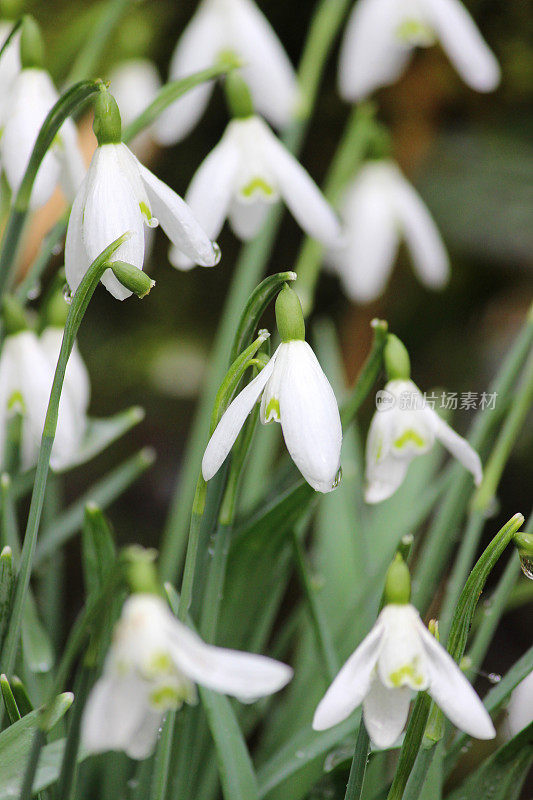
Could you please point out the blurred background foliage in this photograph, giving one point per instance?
(470, 156)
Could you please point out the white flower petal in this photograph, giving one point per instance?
(232, 421)
(421, 234)
(351, 684)
(372, 54)
(385, 472)
(111, 209)
(304, 199)
(178, 221)
(385, 712)
(247, 218)
(197, 48)
(453, 693)
(9, 66)
(266, 68)
(114, 714)
(402, 659)
(77, 260)
(457, 446)
(459, 36)
(246, 676)
(210, 192)
(310, 417)
(143, 740)
(73, 169)
(365, 262)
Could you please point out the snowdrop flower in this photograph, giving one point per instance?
(382, 34)
(27, 367)
(238, 27)
(398, 657)
(31, 97)
(135, 83)
(404, 427)
(152, 666)
(248, 171)
(117, 194)
(520, 708)
(294, 392)
(378, 209)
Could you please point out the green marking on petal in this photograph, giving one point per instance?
(406, 675)
(409, 436)
(413, 31)
(145, 211)
(272, 409)
(258, 185)
(165, 697)
(16, 403)
(160, 662)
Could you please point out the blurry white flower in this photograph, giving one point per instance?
(244, 175)
(27, 367)
(236, 26)
(402, 429)
(134, 84)
(9, 66)
(296, 393)
(520, 708)
(381, 35)
(31, 97)
(398, 657)
(115, 197)
(152, 666)
(380, 208)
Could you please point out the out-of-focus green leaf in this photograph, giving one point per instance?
(36, 644)
(7, 582)
(13, 713)
(101, 433)
(98, 548)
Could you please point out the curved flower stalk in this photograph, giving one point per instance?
(403, 427)
(379, 208)
(294, 392)
(31, 97)
(382, 34)
(27, 366)
(238, 27)
(135, 83)
(248, 171)
(397, 658)
(117, 195)
(152, 666)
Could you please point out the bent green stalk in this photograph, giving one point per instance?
(77, 310)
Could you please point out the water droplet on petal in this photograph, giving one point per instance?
(338, 478)
(526, 563)
(67, 294)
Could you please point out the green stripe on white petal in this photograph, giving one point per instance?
(402, 660)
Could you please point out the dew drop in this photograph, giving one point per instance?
(67, 294)
(493, 677)
(57, 249)
(338, 478)
(526, 563)
(34, 291)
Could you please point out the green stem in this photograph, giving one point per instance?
(439, 541)
(368, 374)
(314, 606)
(192, 550)
(158, 789)
(411, 746)
(67, 777)
(39, 740)
(67, 104)
(97, 40)
(354, 789)
(325, 25)
(75, 316)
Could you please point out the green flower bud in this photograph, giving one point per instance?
(398, 582)
(238, 96)
(132, 278)
(140, 570)
(31, 44)
(107, 125)
(397, 361)
(13, 315)
(289, 315)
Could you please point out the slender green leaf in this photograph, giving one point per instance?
(98, 548)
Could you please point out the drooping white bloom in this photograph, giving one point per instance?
(381, 35)
(379, 208)
(296, 393)
(27, 367)
(236, 26)
(9, 66)
(398, 657)
(244, 175)
(403, 427)
(134, 84)
(520, 708)
(152, 666)
(31, 97)
(115, 197)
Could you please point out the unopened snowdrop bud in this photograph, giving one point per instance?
(31, 44)
(13, 315)
(396, 357)
(134, 279)
(289, 315)
(238, 96)
(398, 582)
(152, 666)
(403, 427)
(397, 658)
(140, 569)
(107, 126)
